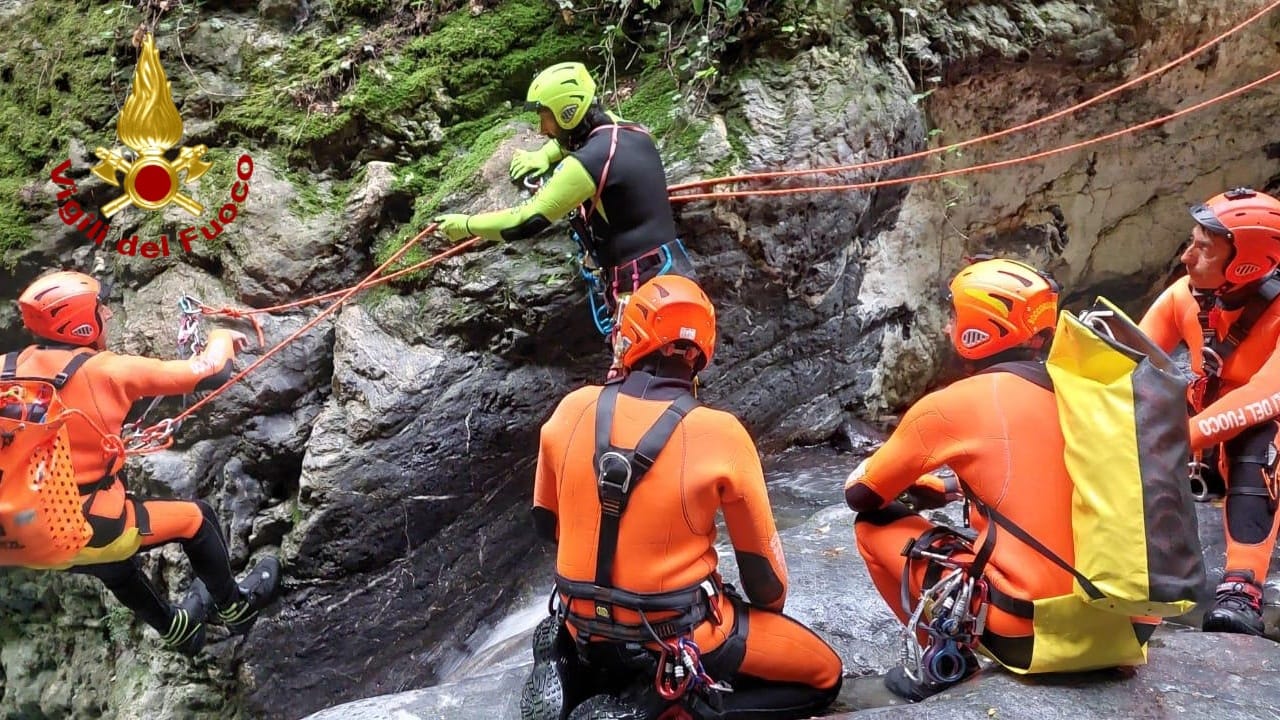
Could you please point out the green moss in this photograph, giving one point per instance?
(436, 177)
(467, 67)
(311, 197)
(56, 85)
(119, 621)
(653, 102)
(364, 8)
(269, 111)
(736, 129)
(480, 62)
(215, 185)
(15, 228)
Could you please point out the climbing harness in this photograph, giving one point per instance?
(679, 668)
(952, 612)
(586, 261)
(1214, 352)
(592, 274)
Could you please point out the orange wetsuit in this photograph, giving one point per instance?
(104, 388)
(1241, 417)
(667, 532)
(1000, 435)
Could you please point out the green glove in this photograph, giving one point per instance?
(529, 162)
(453, 226)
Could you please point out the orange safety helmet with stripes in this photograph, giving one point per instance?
(999, 305)
(64, 307)
(666, 310)
(1250, 220)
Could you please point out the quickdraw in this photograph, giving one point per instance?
(680, 671)
(191, 342)
(1197, 467)
(594, 275)
(589, 268)
(956, 606)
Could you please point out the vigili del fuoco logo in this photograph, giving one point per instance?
(151, 127)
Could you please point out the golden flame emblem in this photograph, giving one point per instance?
(150, 125)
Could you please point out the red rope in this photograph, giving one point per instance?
(159, 436)
(992, 136)
(985, 166)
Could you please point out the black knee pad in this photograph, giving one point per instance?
(1251, 476)
(886, 515)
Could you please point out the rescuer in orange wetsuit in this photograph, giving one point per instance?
(1224, 311)
(65, 311)
(999, 433)
(636, 567)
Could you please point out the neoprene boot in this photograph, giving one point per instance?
(258, 589)
(1237, 605)
(187, 630)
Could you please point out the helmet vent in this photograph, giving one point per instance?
(973, 337)
(1025, 282)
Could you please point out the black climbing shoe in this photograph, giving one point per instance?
(901, 684)
(187, 630)
(542, 696)
(1237, 605)
(257, 590)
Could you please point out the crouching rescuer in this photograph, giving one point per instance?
(629, 481)
(1079, 526)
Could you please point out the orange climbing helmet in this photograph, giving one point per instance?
(1000, 304)
(63, 307)
(1251, 221)
(665, 310)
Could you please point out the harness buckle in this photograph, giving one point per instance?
(713, 608)
(613, 475)
(1212, 360)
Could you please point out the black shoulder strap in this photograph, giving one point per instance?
(983, 554)
(1030, 370)
(73, 365)
(604, 421)
(614, 496)
(9, 371)
(1217, 351)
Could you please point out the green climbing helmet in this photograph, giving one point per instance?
(567, 90)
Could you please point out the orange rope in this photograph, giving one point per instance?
(250, 312)
(984, 166)
(992, 136)
(159, 435)
(162, 432)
